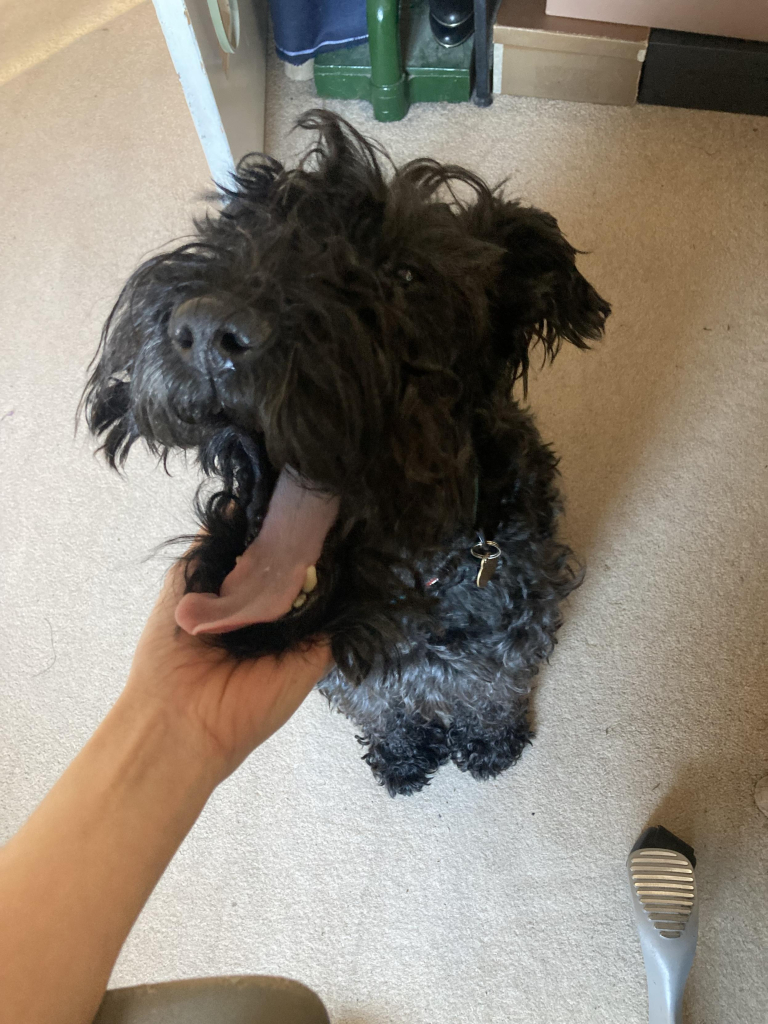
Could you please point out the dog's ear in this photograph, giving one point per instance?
(106, 401)
(538, 294)
(106, 405)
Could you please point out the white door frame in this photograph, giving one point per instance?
(225, 92)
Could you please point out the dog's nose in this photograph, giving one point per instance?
(207, 334)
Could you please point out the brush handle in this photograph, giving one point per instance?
(666, 985)
(666, 910)
(667, 966)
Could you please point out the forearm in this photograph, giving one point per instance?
(75, 877)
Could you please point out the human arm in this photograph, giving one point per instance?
(75, 877)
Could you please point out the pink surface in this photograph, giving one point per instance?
(743, 19)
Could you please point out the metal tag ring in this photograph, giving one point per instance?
(482, 552)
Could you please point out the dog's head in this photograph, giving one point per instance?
(327, 340)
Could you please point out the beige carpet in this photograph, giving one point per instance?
(36, 29)
(468, 903)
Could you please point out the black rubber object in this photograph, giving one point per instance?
(451, 35)
(485, 16)
(682, 69)
(451, 12)
(659, 838)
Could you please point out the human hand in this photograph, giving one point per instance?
(224, 707)
(75, 877)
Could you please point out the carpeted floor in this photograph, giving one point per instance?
(34, 30)
(468, 903)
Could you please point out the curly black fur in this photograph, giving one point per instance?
(408, 753)
(486, 745)
(393, 310)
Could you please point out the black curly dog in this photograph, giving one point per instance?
(338, 345)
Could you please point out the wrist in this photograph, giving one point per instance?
(153, 732)
(76, 875)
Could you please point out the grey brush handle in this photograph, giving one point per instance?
(667, 917)
(667, 971)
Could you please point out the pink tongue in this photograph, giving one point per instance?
(269, 576)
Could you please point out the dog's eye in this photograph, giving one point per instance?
(405, 275)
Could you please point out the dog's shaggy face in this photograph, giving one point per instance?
(331, 339)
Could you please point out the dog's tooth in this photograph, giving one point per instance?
(300, 600)
(311, 581)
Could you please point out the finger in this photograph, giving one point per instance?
(318, 659)
(295, 676)
(174, 582)
(171, 592)
(296, 671)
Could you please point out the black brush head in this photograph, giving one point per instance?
(659, 838)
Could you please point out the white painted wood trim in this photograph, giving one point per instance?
(185, 53)
(498, 66)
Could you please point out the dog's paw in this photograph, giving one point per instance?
(486, 753)
(400, 778)
(408, 756)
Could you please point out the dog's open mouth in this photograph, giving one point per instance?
(275, 575)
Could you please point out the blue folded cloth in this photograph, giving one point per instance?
(304, 28)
